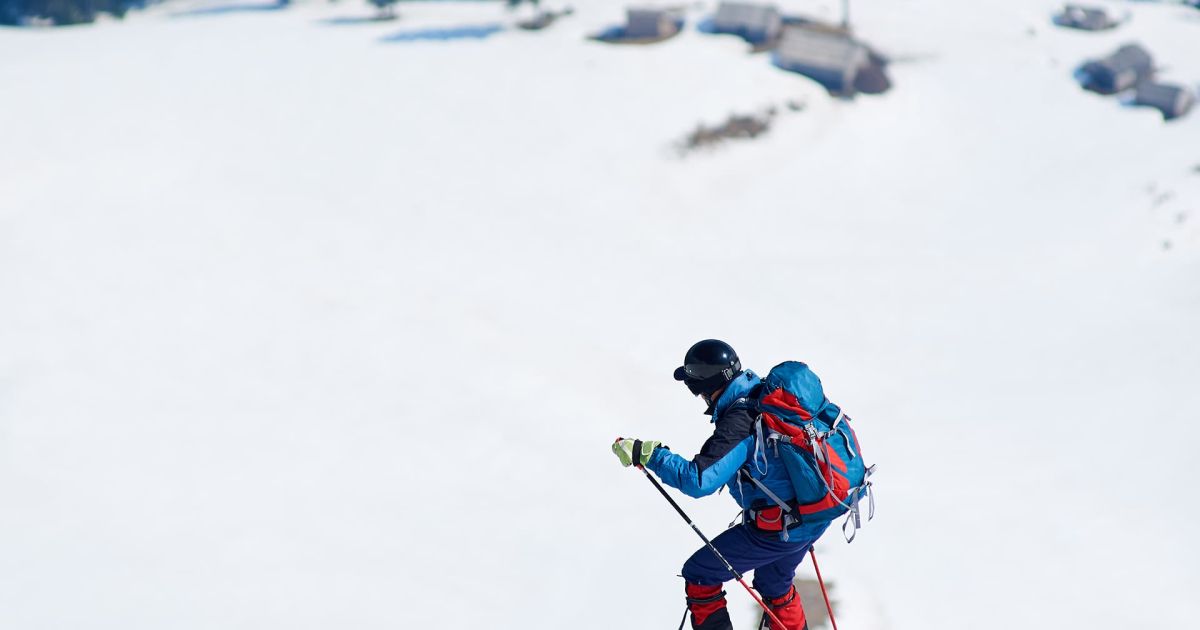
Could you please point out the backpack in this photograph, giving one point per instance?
(818, 447)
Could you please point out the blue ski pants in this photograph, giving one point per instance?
(773, 561)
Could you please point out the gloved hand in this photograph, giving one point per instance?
(634, 451)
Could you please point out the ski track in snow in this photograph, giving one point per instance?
(305, 327)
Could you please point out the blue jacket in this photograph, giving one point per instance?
(734, 446)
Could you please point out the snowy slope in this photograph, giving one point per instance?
(304, 328)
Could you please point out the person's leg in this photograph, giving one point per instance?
(739, 547)
(774, 579)
(774, 582)
(705, 573)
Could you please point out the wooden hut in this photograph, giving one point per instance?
(831, 59)
(650, 23)
(1085, 18)
(755, 23)
(1172, 100)
(1120, 71)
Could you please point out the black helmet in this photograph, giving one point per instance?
(708, 366)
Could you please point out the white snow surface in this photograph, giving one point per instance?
(304, 329)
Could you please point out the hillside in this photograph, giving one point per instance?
(312, 322)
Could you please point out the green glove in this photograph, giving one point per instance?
(634, 451)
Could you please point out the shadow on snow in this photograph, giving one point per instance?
(227, 9)
(353, 20)
(480, 31)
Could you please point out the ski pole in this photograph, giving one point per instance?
(737, 576)
(813, 554)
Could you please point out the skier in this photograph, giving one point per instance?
(768, 540)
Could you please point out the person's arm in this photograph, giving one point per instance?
(717, 462)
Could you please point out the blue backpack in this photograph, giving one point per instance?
(817, 445)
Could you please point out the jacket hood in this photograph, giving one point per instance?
(738, 388)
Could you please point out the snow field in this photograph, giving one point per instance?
(303, 329)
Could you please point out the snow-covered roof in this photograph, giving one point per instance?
(746, 15)
(820, 49)
(647, 12)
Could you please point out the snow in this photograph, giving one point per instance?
(305, 328)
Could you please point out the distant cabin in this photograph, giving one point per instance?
(1172, 100)
(1120, 71)
(650, 23)
(831, 59)
(755, 23)
(1085, 18)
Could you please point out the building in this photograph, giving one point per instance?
(1172, 100)
(650, 23)
(755, 23)
(1120, 71)
(831, 59)
(1085, 18)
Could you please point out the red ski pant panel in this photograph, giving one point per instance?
(707, 605)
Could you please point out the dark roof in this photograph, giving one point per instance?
(1172, 100)
(1130, 56)
(1124, 69)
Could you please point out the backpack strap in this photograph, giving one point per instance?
(767, 491)
(760, 447)
(787, 510)
(834, 428)
(854, 514)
